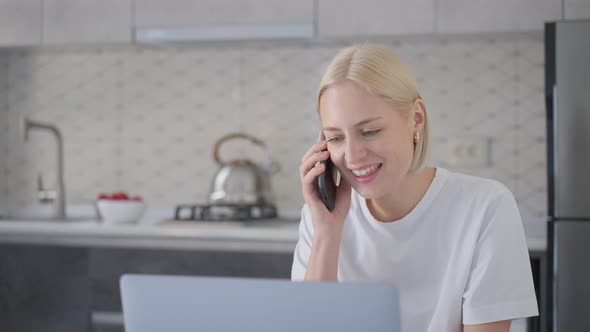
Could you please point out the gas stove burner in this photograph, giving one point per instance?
(228, 211)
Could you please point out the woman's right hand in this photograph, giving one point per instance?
(325, 222)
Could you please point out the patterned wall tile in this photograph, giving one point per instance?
(468, 90)
(145, 119)
(78, 100)
(530, 129)
(279, 107)
(90, 170)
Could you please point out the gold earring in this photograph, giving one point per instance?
(416, 137)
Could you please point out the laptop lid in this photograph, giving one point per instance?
(181, 304)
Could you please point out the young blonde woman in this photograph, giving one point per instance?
(452, 244)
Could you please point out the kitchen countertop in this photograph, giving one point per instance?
(267, 236)
(276, 235)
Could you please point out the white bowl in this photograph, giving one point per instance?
(120, 212)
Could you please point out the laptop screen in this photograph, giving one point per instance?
(181, 304)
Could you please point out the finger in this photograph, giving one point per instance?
(313, 173)
(309, 187)
(310, 162)
(314, 149)
(320, 136)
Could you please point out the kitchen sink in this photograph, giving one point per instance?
(46, 219)
(45, 213)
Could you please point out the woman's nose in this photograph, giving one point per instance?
(354, 152)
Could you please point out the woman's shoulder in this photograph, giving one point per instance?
(475, 197)
(457, 183)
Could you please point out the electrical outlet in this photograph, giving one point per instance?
(468, 152)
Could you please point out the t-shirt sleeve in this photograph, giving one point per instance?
(500, 284)
(303, 247)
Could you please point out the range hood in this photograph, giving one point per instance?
(229, 32)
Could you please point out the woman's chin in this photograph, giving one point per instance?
(367, 193)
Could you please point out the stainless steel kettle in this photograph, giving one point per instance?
(242, 181)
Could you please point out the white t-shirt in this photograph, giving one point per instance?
(459, 257)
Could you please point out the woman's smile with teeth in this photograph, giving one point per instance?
(367, 171)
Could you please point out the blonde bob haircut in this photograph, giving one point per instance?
(382, 72)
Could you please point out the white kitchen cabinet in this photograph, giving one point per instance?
(576, 9)
(86, 21)
(158, 13)
(343, 18)
(20, 22)
(472, 16)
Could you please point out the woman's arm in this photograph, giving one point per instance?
(501, 326)
(327, 225)
(500, 283)
(323, 260)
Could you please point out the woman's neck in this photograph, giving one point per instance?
(394, 207)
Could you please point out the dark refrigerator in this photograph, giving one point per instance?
(567, 91)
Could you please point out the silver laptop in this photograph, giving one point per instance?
(155, 303)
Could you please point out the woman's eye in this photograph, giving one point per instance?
(371, 132)
(333, 139)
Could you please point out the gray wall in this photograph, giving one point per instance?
(3, 127)
(144, 119)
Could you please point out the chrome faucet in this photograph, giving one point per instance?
(60, 201)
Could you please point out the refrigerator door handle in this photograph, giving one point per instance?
(555, 159)
(555, 277)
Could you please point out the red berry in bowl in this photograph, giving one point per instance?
(104, 196)
(121, 196)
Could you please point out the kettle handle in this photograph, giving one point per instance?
(268, 163)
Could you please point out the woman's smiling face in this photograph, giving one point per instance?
(369, 141)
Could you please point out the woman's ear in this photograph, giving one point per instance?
(419, 115)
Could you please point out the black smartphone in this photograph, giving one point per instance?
(326, 185)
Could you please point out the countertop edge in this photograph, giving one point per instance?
(189, 237)
(269, 238)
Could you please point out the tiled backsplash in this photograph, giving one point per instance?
(145, 119)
